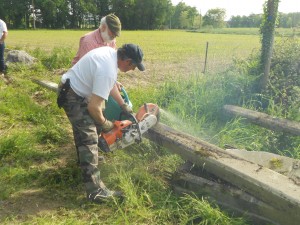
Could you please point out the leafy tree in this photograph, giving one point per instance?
(15, 12)
(192, 14)
(49, 12)
(184, 16)
(141, 14)
(184, 20)
(215, 18)
(289, 20)
(77, 11)
(179, 8)
(253, 20)
(124, 10)
(285, 20)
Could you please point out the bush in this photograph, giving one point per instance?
(58, 58)
(284, 85)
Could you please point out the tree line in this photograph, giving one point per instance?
(284, 20)
(134, 14)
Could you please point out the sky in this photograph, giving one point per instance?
(239, 7)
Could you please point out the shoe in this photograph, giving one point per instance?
(101, 159)
(104, 194)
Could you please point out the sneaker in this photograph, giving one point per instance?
(104, 194)
(101, 159)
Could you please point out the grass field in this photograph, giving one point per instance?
(39, 177)
(185, 50)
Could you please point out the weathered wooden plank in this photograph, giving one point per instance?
(267, 185)
(264, 120)
(47, 84)
(287, 166)
(227, 196)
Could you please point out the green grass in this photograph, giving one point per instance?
(160, 47)
(40, 179)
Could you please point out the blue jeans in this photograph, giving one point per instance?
(2, 64)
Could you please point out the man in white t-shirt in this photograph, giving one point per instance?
(3, 35)
(82, 91)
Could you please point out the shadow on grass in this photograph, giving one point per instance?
(40, 193)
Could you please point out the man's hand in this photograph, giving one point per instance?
(107, 126)
(126, 108)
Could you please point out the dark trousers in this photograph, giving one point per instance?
(2, 64)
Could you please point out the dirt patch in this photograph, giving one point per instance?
(6, 79)
(32, 202)
(26, 203)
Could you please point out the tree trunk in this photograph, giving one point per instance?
(267, 30)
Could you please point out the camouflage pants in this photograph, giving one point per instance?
(86, 140)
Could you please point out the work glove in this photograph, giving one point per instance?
(107, 126)
(126, 108)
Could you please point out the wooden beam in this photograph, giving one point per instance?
(264, 120)
(227, 196)
(271, 187)
(47, 84)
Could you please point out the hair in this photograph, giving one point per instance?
(122, 54)
(103, 22)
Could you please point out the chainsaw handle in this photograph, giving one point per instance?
(125, 95)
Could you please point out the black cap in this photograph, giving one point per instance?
(134, 52)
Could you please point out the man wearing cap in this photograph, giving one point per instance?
(83, 89)
(105, 35)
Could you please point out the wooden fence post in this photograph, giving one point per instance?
(205, 62)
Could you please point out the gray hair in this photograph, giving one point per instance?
(103, 22)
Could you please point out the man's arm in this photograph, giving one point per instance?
(115, 93)
(4, 35)
(95, 110)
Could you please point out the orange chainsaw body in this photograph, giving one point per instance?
(126, 132)
(116, 132)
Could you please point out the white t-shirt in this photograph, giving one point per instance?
(3, 28)
(96, 72)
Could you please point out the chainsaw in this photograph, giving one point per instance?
(129, 131)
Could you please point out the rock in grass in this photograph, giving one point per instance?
(19, 56)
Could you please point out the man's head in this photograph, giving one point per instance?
(110, 27)
(129, 57)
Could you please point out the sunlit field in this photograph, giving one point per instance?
(40, 181)
(160, 47)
